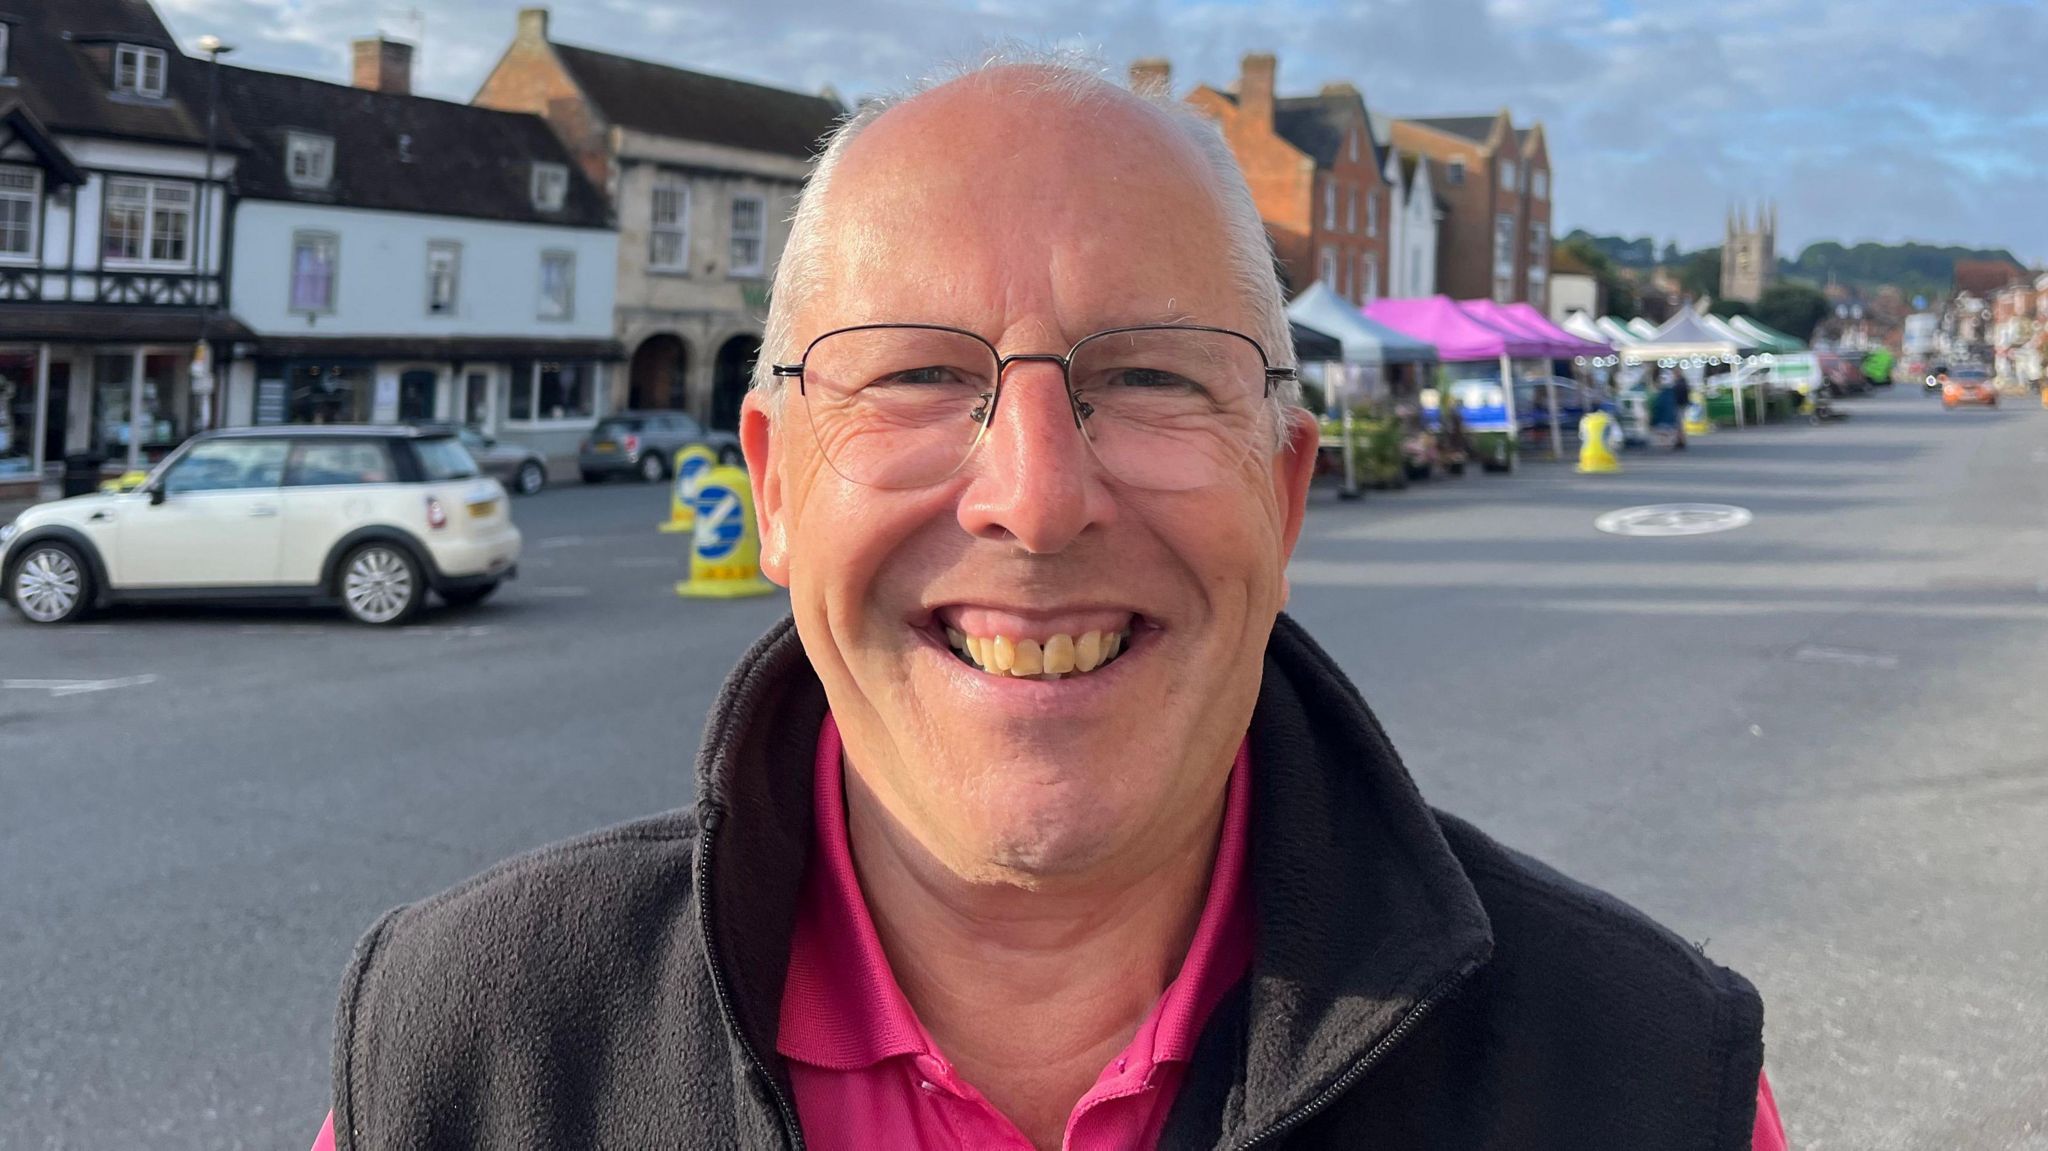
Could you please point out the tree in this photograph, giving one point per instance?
(1794, 309)
(1701, 275)
(1615, 288)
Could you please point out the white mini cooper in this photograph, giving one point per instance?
(371, 518)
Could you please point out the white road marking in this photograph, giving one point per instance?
(64, 687)
(1848, 657)
(1673, 520)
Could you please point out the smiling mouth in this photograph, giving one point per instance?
(1050, 658)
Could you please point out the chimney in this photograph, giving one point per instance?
(533, 24)
(1152, 76)
(1255, 87)
(383, 65)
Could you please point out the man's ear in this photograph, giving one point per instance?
(1294, 466)
(760, 438)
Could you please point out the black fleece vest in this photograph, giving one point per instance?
(1413, 985)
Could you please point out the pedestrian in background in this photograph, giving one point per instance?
(1681, 399)
(1039, 825)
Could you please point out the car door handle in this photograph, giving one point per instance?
(262, 512)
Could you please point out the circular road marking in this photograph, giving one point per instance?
(1673, 520)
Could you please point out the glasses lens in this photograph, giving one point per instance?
(1170, 409)
(898, 407)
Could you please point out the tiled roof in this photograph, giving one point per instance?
(60, 54)
(1473, 128)
(1317, 125)
(402, 153)
(667, 101)
(1981, 277)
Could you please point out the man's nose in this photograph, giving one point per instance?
(1034, 478)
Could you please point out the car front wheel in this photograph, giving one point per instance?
(531, 478)
(381, 584)
(49, 584)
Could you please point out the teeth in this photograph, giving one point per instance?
(1050, 659)
(1059, 655)
(1088, 651)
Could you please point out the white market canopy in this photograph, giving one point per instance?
(1617, 333)
(1684, 336)
(1365, 341)
(1643, 328)
(1581, 325)
(1729, 332)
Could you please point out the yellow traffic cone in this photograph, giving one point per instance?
(1596, 452)
(691, 465)
(725, 550)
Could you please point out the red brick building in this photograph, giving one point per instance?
(1495, 238)
(1315, 172)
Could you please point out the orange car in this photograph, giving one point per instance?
(1969, 386)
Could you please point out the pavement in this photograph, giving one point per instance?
(1812, 744)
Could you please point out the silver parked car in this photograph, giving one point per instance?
(520, 468)
(644, 444)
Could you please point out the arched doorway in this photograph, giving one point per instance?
(660, 364)
(730, 379)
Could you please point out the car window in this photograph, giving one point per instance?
(613, 429)
(322, 463)
(444, 458)
(227, 465)
(687, 425)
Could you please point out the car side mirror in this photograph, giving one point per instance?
(156, 495)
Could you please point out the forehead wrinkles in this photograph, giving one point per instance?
(976, 212)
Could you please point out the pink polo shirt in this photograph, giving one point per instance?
(867, 1074)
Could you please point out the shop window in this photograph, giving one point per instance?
(17, 412)
(329, 394)
(554, 390)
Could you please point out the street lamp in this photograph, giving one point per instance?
(202, 358)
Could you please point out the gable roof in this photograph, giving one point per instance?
(668, 101)
(1474, 128)
(19, 125)
(1319, 124)
(402, 153)
(55, 51)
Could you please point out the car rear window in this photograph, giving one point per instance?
(613, 429)
(444, 458)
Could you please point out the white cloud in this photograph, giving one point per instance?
(1866, 118)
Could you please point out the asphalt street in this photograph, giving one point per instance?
(1812, 744)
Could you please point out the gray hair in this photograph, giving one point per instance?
(1078, 79)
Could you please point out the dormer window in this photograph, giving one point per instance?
(550, 186)
(308, 159)
(139, 71)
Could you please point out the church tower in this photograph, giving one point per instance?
(1749, 256)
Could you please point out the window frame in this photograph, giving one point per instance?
(1369, 279)
(1539, 183)
(33, 195)
(1351, 210)
(141, 56)
(759, 266)
(151, 186)
(1326, 266)
(453, 249)
(333, 240)
(550, 176)
(1454, 172)
(679, 228)
(1329, 205)
(529, 372)
(1510, 176)
(1503, 250)
(1372, 212)
(297, 143)
(567, 259)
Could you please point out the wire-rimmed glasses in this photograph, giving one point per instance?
(1168, 407)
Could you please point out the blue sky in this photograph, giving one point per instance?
(1865, 119)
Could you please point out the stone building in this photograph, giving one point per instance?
(1749, 255)
(703, 173)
